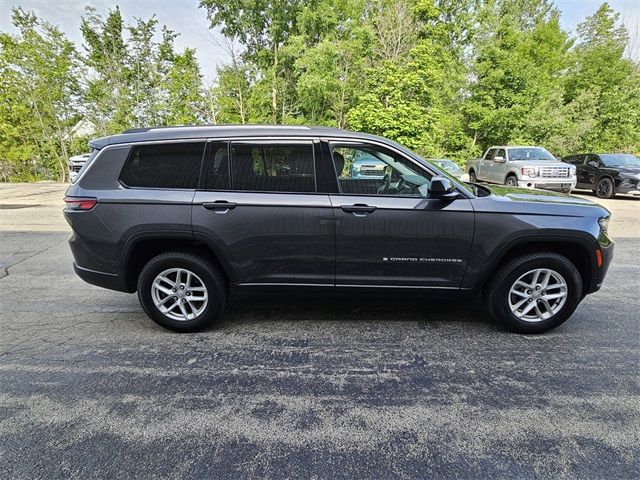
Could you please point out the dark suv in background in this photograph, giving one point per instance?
(607, 173)
(186, 216)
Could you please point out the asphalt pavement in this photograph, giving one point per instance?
(91, 388)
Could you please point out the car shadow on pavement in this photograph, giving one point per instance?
(430, 313)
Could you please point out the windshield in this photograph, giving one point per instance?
(620, 160)
(530, 153)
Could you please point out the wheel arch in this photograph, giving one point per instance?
(140, 249)
(578, 250)
(510, 173)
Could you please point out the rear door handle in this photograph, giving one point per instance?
(220, 206)
(359, 209)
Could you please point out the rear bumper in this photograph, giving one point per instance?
(111, 281)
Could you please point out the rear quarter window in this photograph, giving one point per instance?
(164, 165)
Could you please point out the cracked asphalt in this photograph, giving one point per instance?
(91, 388)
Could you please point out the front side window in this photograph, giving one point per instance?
(273, 167)
(370, 170)
(164, 165)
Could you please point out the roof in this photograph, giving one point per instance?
(222, 131)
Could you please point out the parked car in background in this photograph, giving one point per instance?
(187, 216)
(367, 167)
(523, 166)
(75, 165)
(607, 173)
(449, 166)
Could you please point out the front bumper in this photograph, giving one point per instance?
(628, 188)
(599, 273)
(547, 184)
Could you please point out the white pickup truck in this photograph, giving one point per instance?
(528, 167)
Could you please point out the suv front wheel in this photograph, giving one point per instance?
(182, 292)
(534, 293)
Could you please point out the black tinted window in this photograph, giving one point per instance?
(163, 165)
(273, 168)
(217, 167)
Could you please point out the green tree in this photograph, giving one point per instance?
(39, 71)
(518, 72)
(601, 72)
(264, 29)
(184, 87)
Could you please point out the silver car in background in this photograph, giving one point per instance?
(75, 164)
(449, 166)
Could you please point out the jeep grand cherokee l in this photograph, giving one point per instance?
(186, 216)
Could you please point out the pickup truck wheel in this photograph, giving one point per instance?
(182, 292)
(605, 188)
(511, 181)
(534, 293)
(472, 177)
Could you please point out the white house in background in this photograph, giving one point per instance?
(84, 128)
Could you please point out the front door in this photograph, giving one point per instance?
(259, 208)
(389, 233)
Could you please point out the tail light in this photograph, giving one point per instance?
(80, 203)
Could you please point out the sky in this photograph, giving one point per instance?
(185, 18)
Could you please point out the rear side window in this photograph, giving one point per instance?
(273, 168)
(164, 165)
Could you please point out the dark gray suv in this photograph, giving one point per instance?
(186, 216)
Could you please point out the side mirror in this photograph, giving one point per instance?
(499, 159)
(442, 188)
(593, 163)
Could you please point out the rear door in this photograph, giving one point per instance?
(391, 234)
(259, 208)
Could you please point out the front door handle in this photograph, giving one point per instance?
(359, 209)
(220, 206)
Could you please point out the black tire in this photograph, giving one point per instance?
(605, 188)
(511, 181)
(472, 177)
(497, 292)
(210, 276)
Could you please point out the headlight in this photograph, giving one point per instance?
(529, 171)
(572, 171)
(604, 223)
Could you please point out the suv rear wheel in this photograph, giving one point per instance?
(534, 293)
(182, 292)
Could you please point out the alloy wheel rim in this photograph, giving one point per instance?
(538, 295)
(179, 294)
(604, 187)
